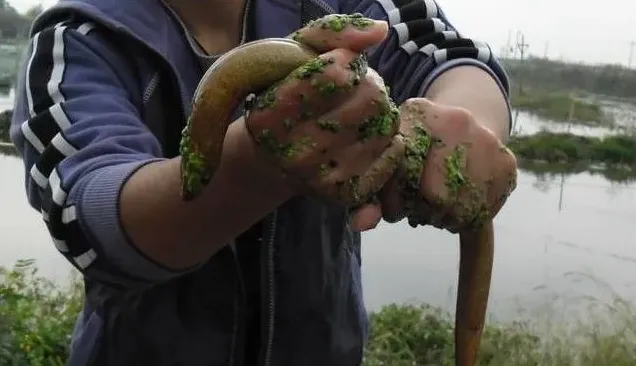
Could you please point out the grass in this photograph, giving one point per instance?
(556, 106)
(37, 318)
(5, 123)
(406, 335)
(618, 151)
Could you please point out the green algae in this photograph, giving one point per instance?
(194, 171)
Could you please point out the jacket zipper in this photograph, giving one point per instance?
(271, 291)
(324, 6)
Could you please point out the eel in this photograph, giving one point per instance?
(254, 67)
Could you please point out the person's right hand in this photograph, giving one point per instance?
(329, 123)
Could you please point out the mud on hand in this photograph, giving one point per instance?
(328, 125)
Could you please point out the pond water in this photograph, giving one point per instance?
(6, 101)
(566, 235)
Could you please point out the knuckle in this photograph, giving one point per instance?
(340, 56)
(339, 72)
(461, 119)
(507, 161)
(336, 74)
(462, 115)
(412, 103)
(492, 144)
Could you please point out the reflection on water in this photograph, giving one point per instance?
(556, 230)
(528, 124)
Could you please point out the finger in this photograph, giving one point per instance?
(503, 188)
(312, 89)
(366, 217)
(420, 214)
(367, 114)
(302, 96)
(363, 126)
(390, 195)
(391, 200)
(364, 169)
(351, 31)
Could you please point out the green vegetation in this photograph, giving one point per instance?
(618, 151)
(37, 318)
(557, 106)
(406, 335)
(13, 25)
(8, 149)
(5, 122)
(556, 76)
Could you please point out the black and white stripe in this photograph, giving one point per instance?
(44, 130)
(419, 29)
(399, 11)
(409, 33)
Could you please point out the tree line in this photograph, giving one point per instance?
(5, 122)
(551, 75)
(13, 25)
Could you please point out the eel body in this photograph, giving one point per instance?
(257, 65)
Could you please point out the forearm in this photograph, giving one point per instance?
(180, 234)
(475, 90)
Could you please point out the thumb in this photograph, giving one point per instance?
(353, 32)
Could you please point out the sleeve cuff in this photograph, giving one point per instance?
(99, 208)
(466, 62)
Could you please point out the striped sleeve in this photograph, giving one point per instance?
(80, 135)
(421, 45)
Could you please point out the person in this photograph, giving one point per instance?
(256, 270)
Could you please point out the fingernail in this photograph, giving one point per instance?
(381, 24)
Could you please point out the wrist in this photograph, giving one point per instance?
(252, 169)
(476, 91)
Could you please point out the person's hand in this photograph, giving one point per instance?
(331, 119)
(455, 173)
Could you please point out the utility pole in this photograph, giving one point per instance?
(522, 46)
(545, 50)
(631, 53)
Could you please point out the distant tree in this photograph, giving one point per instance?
(552, 75)
(33, 12)
(5, 122)
(12, 24)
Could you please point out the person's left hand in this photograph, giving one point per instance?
(455, 173)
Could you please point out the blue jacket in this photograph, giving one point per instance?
(105, 88)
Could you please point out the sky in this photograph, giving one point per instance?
(560, 29)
